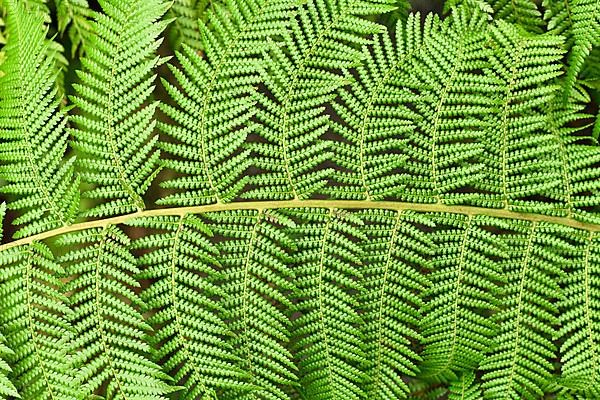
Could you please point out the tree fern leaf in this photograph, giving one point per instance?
(524, 13)
(32, 128)
(580, 320)
(75, 15)
(520, 151)
(394, 256)
(465, 388)
(114, 131)
(215, 105)
(109, 335)
(301, 77)
(464, 278)
(33, 320)
(327, 333)
(257, 282)
(6, 386)
(453, 97)
(190, 339)
(185, 28)
(520, 364)
(371, 124)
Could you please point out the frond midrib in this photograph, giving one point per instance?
(297, 203)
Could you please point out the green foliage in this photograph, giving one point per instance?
(323, 200)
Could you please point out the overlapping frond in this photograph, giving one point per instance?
(580, 318)
(395, 257)
(520, 151)
(191, 341)
(465, 388)
(108, 341)
(74, 17)
(114, 138)
(33, 319)
(465, 274)
(524, 13)
(521, 363)
(7, 388)
(214, 101)
(302, 76)
(258, 282)
(185, 30)
(372, 117)
(32, 130)
(327, 334)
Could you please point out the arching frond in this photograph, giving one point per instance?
(465, 388)
(395, 256)
(185, 30)
(327, 333)
(114, 137)
(108, 339)
(257, 282)
(191, 340)
(32, 130)
(74, 17)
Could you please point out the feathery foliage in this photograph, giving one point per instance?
(352, 200)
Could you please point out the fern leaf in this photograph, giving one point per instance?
(464, 278)
(33, 317)
(257, 282)
(6, 386)
(522, 168)
(302, 75)
(32, 129)
(580, 320)
(394, 257)
(524, 13)
(114, 130)
(76, 16)
(520, 365)
(185, 29)
(190, 340)
(371, 124)
(465, 388)
(214, 102)
(109, 335)
(327, 333)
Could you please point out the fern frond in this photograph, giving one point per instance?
(33, 319)
(395, 255)
(520, 365)
(327, 334)
(114, 136)
(580, 319)
(108, 343)
(32, 129)
(6, 386)
(302, 76)
(464, 278)
(190, 341)
(215, 104)
(257, 282)
(465, 388)
(75, 15)
(524, 13)
(522, 167)
(371, 124)
(185, 29)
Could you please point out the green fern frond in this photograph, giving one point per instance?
(520, 364)
(327, 334)
(521, 152)
(371, 125)
(524, 13)
(33, 319)
(6, 386)
(108, 340)
(257, 283)
(395, 255)
(32, 129)
(75, 15)
(185, 29)
(464, 291)
(215, 104)
(190, 341)
(114, 136)
(302, 76)
(580, 319)
(465, 388)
